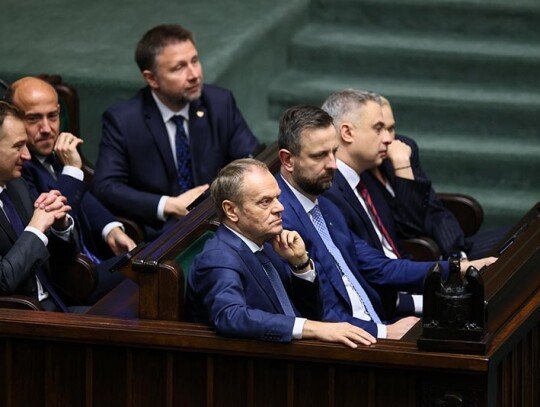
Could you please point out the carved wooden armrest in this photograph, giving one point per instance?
(422, 248)
(20, 302)
(466, 209)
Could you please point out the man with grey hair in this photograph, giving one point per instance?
(254, 279)
(350, 272)
(363, 144)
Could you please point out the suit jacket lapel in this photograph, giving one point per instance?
(252, 264)
(199, 132)
(13, 189)
(46, 175)
(156, 127)
(352, 200)
(383, 209)
(312, 238)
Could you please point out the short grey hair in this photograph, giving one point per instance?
(229, 183)
(345, 101)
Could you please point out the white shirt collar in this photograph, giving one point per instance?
(167, 113)
(306, 203)
(350, 174)
(254, 247)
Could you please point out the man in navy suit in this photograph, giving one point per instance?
(161, 149)
(389, 165)
(24, 224)
(56, 164)
(363, 142)
(349, 269)
(239, 294)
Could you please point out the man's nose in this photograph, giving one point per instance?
(45, 126)
(25, 153)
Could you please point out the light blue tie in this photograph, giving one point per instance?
(276, 282)
(320, 225)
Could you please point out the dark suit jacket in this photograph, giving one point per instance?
(417, 210)
(370, 267)
(90, 215)
(135, 166)
(228, 289)
(20, 257)
(342, 195)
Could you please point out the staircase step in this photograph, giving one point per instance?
(482, 167)
(405, 55)
(516, 19)
(442, 106)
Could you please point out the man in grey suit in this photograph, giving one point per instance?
(23, 224)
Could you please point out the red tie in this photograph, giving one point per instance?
(364, 193)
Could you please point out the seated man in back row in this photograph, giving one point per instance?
(415, 205)
(57, 164)
(160, 149)
(26, 246)
(240, 284)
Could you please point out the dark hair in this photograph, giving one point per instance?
(297, 119)
(7, 109)
(155, 39)
(229, 182)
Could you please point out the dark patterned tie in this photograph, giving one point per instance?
(183, 156)
(18, 227)
(11, 213)
(364, 193)
(277, 284)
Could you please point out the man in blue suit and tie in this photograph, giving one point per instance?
(161, 149)
(254, 279)
(349, 270)
(56, 164)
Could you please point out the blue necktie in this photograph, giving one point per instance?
(277, 284)
(183, 155)
(11, 213)
(18, 227)
(320, 225)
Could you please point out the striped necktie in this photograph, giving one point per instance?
(320, 225)
(364, 193)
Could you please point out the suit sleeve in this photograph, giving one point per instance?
(25, 255)
(419, 208)
(401, 274)
(111, 179)
(217, 283)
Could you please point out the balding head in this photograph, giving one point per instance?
(39, 102)
(26, 90)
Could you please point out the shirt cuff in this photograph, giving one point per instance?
(418, 301)
(65, 234)
(110, 226)
(161, 208)
(298, 328)
(309, 275)
(38, 233)
(381, 331)
(74, 172)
